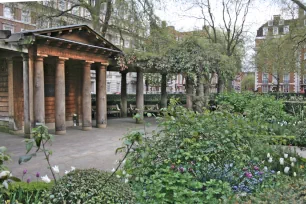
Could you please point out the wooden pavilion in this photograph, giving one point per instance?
(45, 78)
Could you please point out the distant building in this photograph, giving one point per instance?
(294, 82)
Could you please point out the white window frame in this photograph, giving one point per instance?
(7, 12)
(26, 16)
(265, 30)
(264, 88)
(286, 88)
(9, 27)
(59, 5)
(286, 29)
(108, 87)
(281, 21)
(275, 30)
(286, 78)
(304, 55)
(304, 79)
(75, 11)
(265, 80)
(270, 23)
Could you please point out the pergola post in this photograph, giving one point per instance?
(123, 95)
(10, 68)
(189, 93)
(139, 96)
(26, 97)
(86, 97)
(101, 100)
(39, 91)
(163, 102)
(60, 102)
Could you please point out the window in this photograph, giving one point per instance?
(304, 79)
(76, 11)
(265, 31)
(118, 87)
(286, 29)
(92, 87)
(108, 86)
(264, 88)
(127, 43)
(62, 5)
(305, 56)
(8, 27)
(270, 23)
(116, 40)
(304, 22)
(7, 12)
(265, 79)
(286, 88)
(274, 78)
(281, 21)
(286, 78)
(275, 30)
(25, 16)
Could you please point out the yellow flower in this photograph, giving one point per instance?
(301, 167)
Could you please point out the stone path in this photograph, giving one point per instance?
(81, 149)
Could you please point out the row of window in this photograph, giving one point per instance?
(280, 22)
(265, 78)
(265, 88)
(265, 30)
(9, 14)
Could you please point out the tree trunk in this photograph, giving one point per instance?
(107, 17)
(189, 93)
(199, 99)
(220, 85)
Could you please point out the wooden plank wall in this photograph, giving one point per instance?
(3, 89)
(18, 93)
(49, 75)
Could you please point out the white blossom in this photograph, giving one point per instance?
(294, 174)
(113, 170)
(55, 169)
(123, 172)
(293, 159)
(281, 161)
(67, 172)
(270, 160)
(286, 156)
(290, 159)
(118, 176)
(286, 170)
(126, 180)
(278, 173)
(268, 155)
(45, 179)
(4, 174)
(265, 168)
(292, 164)
(72, 168)
(5, 184)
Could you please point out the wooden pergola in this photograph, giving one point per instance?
(45, 78)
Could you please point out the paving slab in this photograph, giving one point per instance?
(81, 149)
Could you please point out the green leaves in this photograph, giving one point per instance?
(26, 158)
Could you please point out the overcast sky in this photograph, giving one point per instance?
(259, 13)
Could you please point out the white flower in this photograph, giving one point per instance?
(286, 170)
(113, 170)
(268, 155)
(292, 164)
(293, 159)
(55, 169)
(270, 160)
(265, 168)
(126, 180)
(128, 176)
(123, 162)
(286, 156)
(278, 173)
(72, 168)
(5, 184)
(117, 176)
(281, 161)
(4, 174)
(67, 172)
(294, 174)
(290, 159)
(123, 172)
(45, 179)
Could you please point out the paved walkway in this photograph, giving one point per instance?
(81, 149)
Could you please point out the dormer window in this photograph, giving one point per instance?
(286, 29)
(264, 31)
(275, 30)
(270, 23)
(281, 21)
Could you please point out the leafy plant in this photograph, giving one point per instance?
(89, 186)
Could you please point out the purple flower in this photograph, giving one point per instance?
(25, 171)
(248, 174)
(272, 171)
(256, 168)
(28, 180)
(260, 180)
(37, 175)
(235, 188)
(181, 169)
(260, 173)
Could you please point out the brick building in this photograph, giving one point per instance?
(293, 82)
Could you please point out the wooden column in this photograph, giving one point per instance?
(123, 95)
(86, 97)
(101, 97)
(39, 91)
(31, 88)
(26, 97)
(60, 102)
(139, 96)
(163, 102)
(10, 69)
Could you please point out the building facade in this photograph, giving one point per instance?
(289, 82)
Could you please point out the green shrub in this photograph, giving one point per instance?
(90, 186)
